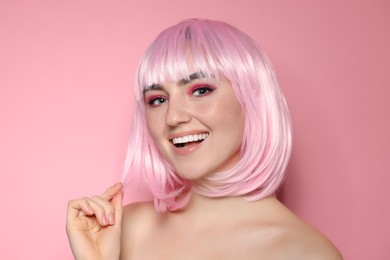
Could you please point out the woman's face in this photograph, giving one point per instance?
(196, 124)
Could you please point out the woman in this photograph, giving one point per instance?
(211, 139)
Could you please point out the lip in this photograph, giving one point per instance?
(186, 150)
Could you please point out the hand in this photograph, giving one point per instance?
(93, 225)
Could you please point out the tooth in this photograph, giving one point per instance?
(189, 138)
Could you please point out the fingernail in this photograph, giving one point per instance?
(104, 219)
(90, 210)
(111, 219)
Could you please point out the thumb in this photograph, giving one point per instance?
(117, 203)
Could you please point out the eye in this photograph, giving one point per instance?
(156, 101)
(200, 91)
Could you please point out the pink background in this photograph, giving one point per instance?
(66, 73)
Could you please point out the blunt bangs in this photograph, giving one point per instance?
(207, 47)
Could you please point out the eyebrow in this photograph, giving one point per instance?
(182, 82)
(192, 77)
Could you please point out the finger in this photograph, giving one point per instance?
(117, 204)
(100, 210)
(112, 191)
(113, 209)
(75, 207)
(109, 212)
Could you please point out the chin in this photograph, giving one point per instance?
(192, 174)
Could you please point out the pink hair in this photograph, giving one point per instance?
(217, 49)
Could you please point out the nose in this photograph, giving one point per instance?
(177, 112)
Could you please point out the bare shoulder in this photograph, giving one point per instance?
(302, 241)
(139, 220)
(292, 238)
(138, 211)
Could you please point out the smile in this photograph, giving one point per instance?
(184, 140)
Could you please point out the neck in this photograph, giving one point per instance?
(200, 207)
(205, 213)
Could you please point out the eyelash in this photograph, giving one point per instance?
(160, 99)
(204, 90)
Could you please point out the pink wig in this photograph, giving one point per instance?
(216, 49)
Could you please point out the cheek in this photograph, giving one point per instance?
(232, 120)
(153, 125)
(226, 114)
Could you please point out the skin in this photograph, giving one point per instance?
(200, 106)
(93, 225)
(206, 228)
